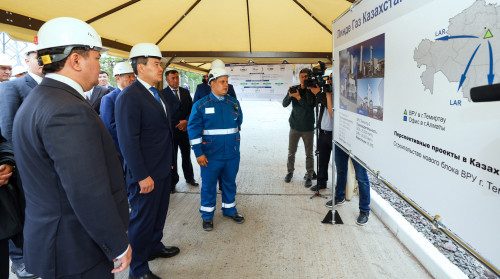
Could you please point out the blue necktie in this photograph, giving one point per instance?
(175, 92)
(155, 93)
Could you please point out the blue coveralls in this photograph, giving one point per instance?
(213, 130)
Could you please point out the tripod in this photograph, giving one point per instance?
(316, 152)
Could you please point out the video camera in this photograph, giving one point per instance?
(316, 76)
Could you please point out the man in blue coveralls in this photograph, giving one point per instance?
(213, 130)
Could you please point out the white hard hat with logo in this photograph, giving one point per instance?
(122, 68)
(62, 34)
(216, 73)
(146, 50)
(5, 60)
(217, 63)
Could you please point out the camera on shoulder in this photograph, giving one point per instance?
(317, 77)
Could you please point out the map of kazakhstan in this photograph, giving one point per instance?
(465, 53)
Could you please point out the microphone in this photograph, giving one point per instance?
(486, 93)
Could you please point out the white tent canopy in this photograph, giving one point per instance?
(193, 32)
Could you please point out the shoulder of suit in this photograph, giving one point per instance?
(111, 95)
(115, 91)
(133, 89)
(102, 88)
(14, 83)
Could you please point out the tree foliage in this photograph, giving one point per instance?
(107, 65)
(187, 78)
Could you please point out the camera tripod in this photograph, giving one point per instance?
(316, 152)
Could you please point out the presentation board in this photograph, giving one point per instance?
(261, 81)
(404, 70)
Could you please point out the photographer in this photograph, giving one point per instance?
(301, 125)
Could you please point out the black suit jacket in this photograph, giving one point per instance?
(144, 134)
(76, 204)
(180, 109)
(95, 99)
(12, 94)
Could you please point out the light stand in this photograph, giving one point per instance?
(333, 216)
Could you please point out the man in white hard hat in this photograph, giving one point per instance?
(13, 93)
(5, 67)
(124, 75)
(214, 135)
(146, 141)
(203, 89)
(76, 205)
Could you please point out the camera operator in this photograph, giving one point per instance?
(301, 125)
(325, 126)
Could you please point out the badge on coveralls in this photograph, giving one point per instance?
(209, 110)
(235, 105)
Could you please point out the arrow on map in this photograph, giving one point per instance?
(462, 79)
(491, 76)
(446, 38)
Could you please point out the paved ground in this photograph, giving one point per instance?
(283, 236)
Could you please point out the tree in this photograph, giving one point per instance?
(191, 79)
(107, 64)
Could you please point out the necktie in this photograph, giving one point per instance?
(155, 93)
(175, 92)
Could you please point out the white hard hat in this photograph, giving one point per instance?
(18, 70)
(216, 73)
(5, 60)
(217, 63)
(67, 31)
(122, 68)
(146, 50)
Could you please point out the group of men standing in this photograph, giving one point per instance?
(82, 166)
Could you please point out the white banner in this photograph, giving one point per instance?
(403, 73)
(261, 81)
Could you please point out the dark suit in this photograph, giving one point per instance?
(6, 157)
(204, 89)
(180, 110)
(12, 95)
(145, 137)
(76, 206)
(95, 99)
(108, 116)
